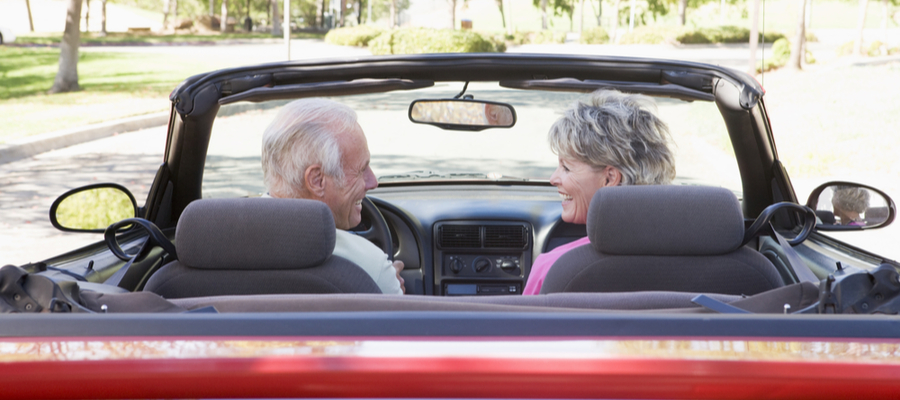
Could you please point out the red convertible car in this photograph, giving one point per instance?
(198, 291)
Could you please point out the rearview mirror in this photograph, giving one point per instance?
(92, 208)
(462, 114)
(842, 206)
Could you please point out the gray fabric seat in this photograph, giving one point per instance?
(257, 246)
(663, 238)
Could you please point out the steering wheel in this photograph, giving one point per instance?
(378, 233)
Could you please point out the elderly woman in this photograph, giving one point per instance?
(609, 139)
(849, 202)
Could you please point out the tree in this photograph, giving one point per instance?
(276, 20)
(544, 14)
(798, 48)
(559, 7)
(103, 18)
(860, 24)
(67, 76)
(223, 22)
(502, 14)
(754, 37)
(30, 20)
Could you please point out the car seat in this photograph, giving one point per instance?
(257, 246)
(663, 238)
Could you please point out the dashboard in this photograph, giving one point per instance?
(472, 239)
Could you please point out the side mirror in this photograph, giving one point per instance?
(92, 208)
(847, 206)
(462, 114)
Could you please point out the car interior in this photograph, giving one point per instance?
(466, 203)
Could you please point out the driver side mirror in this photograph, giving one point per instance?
(92, 208)
(847, 206)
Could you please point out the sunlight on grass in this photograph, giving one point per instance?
(114, 85)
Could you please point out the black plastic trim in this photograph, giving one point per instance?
(451, 324)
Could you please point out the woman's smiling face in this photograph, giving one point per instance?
(577, 182)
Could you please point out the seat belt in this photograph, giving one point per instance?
(795, 263)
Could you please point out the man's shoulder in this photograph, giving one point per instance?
(348, 240)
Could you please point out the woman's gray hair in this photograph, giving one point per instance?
(303, 134)
(851, 198)
(611, 128)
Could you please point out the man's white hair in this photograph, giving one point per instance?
(611, 128)
(303, 134)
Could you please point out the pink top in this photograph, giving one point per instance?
(543, 263)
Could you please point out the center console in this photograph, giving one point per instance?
(481, 258)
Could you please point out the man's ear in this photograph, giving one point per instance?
(314, 180)
(613, 176)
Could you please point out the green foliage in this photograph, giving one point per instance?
(539, 37)
(382, 9)
(781, 52)
(596, 35)
(558, 7)
(723, 34)
(845, 49)
(353, 36)
(427, 40)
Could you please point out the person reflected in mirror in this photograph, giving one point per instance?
(849, 203)
(315, 149)
(608, 139)
(497, 115)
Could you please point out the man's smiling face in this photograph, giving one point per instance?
(345, 198)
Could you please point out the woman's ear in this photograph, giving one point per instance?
(613, 176)
(314, 180)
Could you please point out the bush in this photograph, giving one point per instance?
(651, 35)
(723, 34)
(353, 36)
(596, 35)
(781, 53)
(427, 40)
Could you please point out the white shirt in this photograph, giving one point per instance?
(370, 258)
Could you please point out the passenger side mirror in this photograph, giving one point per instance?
(462, 114)
(843, 206)
(92, 208)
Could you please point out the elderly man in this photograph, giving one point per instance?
(314, 149)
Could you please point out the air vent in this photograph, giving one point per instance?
(460, 236)
(505, 236)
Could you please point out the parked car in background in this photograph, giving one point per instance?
(162, 309)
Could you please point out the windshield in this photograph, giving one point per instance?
(405, 151)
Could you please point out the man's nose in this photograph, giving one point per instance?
(371, 181)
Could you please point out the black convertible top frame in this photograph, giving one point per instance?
(196, 102)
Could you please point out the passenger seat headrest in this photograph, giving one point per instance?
(255, 233)
(665, 220)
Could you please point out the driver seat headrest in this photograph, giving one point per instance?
(262, 233)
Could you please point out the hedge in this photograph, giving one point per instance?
(723, 34)
(596, 35)
(353, 36)
(427, 40)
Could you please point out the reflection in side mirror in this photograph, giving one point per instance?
(92, 208)
(462, 114)
(851, 206)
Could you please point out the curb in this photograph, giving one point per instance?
(32, 145)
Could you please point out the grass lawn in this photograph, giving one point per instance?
(114, 85)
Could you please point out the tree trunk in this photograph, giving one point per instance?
(103, 18)
(87, 16)
(223, 21)
(544, 15)
(393, 5)
(167, 5)
(581, 27)
(452, 14)
(721, 12)
(502, 15)
(320, 22)
(682, 12)
(860, 25)
(342, 13)
(369, 19)
(614, 30)
(359, 12)
(798, 48)
(67, 76)
(276, 19)
(754, 38)
(30, 20)
(212, 10)
(631, 15)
